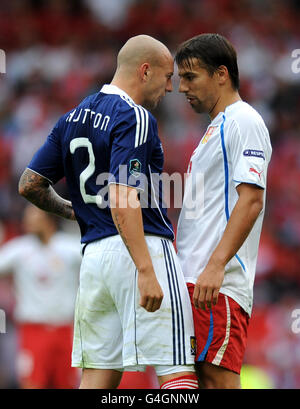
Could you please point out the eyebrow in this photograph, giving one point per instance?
(186, 73)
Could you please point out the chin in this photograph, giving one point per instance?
(199, 109)
(150, 106)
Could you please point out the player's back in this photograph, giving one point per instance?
(89, 144)
(86, 145)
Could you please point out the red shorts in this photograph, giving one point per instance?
(44, 357)
(221, 332)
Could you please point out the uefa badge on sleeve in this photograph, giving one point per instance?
(135, 167)
(193, 345)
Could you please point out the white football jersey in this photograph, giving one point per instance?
(46, 277)
(235, 149)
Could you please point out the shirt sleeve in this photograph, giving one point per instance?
(131, 147)
(250, 151)
(47, 161)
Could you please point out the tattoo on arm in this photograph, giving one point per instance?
(119, 228)
(38, 191)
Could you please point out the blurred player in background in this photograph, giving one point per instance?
(133, 307)
(45, 264)
(218, 238)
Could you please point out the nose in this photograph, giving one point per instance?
(169, 87)
(182, 86)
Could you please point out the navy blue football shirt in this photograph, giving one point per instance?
(106, 139)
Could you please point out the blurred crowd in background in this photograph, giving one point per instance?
(59, 51)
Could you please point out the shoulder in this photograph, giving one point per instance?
(243, 123)
(19, 244)
(135, 119)
(246, 126)
(243, 116)
(137, 113)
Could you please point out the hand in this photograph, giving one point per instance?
(151, 294)
(208, 285)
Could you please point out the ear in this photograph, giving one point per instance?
(144, 71)
(223, 75)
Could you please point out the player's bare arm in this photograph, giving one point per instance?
(240, 223)
(38, 191)
(127, 216)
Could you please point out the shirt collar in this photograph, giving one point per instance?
(113, 89)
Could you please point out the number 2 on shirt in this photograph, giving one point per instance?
(88, 171)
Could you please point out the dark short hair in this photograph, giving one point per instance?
(211, 51)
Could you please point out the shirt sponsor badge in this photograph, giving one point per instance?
(255, 153)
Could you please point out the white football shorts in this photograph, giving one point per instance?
(111, 329)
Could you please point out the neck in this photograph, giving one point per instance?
(223, 102)
(127, 86)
